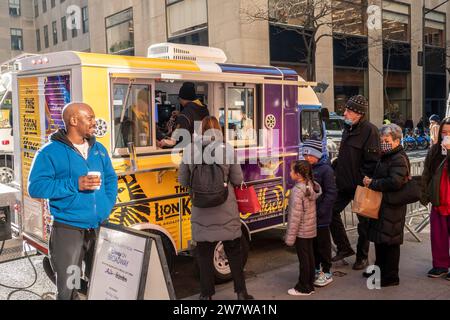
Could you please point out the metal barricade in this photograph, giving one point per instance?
(417, 215)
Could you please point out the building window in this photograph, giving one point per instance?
(349, 17)
(46, 41)
(54, 33)
(38, 40)
(36, 8)
(74, 32)
(348, 83)
(197, 37)
(44, 6)
(435, 29)
(282, 13)
(14, 8)
(396, 25)
(53, 3)
(187, 21)
(287, 49)
(397, 102)
(85, 17)
(120, 33)
(64, 28)
(16, 40)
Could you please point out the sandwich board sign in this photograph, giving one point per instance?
(129, 265)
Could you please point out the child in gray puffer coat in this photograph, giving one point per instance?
(302, 224)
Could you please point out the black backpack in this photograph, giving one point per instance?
(209, 186)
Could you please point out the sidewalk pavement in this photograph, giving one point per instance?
(415, 261)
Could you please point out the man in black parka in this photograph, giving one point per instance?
(358, 156)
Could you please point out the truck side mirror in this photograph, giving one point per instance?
(325, 114)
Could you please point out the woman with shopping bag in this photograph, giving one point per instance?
(215, 215)
(391, 175)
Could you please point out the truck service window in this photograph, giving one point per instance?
(132, 114)
(240, 116)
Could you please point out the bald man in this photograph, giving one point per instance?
(79, 202)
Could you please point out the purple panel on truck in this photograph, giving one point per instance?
(291, 119)
(273, 116)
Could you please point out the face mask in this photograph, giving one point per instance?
(386, 147)
(348, 122)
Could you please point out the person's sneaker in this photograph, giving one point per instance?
(342, 255)
(323, 280)
(294, 292)
(448, 277)
(360, 264)
(317, 275)
(437, 273)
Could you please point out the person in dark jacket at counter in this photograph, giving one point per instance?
(358, 156)
(391, 174)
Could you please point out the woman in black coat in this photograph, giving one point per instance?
(391, 174)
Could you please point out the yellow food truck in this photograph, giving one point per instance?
(273, 101)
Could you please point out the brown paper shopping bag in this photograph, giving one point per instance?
(367, 202)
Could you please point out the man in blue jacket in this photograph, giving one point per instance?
(78, 203)
(324, 175)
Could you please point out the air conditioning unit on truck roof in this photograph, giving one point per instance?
(175, 51)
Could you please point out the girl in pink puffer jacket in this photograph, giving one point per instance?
(302, 224)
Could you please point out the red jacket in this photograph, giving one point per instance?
(444, 193)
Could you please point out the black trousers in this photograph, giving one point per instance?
(322, 249)
(388, 259)
(305, 253)
(339, 234)
(68, 248)
(205, 256)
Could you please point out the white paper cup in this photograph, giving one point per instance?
(96, 174)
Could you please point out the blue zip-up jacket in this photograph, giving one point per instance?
(54, 175)
(324, 176)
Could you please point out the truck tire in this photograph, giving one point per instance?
(6, 170)
(222, 269)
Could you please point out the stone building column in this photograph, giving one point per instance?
(416, 70)
(376, 70)
(242, 41)
(325, 63)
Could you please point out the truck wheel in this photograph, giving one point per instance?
(6, 171)
(222, 269)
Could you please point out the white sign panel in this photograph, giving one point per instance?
(117, 269)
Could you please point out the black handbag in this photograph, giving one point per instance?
(409, 193)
